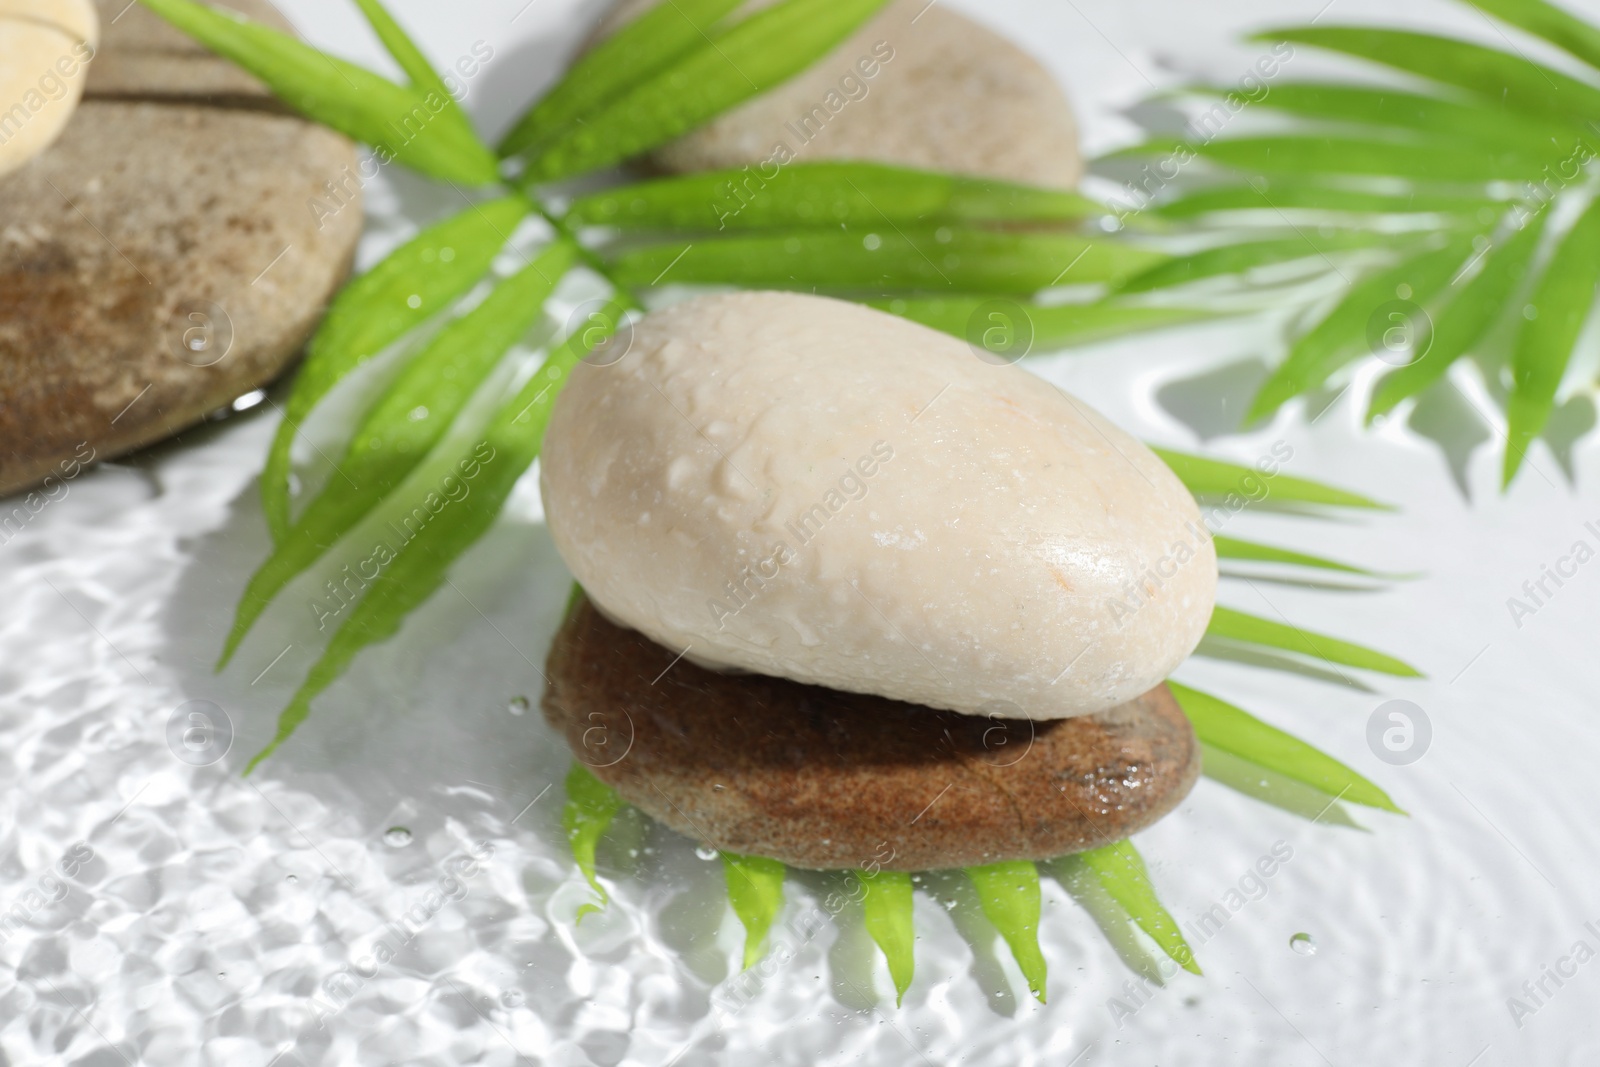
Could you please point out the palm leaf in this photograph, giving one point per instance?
(404, 424)
(636, 52)
(417, 281)
(400, 122)
(508, 445)
(1249, 255)
(413, 62)
(1426, 158)
(886, 910)
(591, 806)
(1121, 871)
(1561, 29)
(755, 890)
(1510, 81)
(1317, 194)
(1342, 335)
(1232, 625)
(963, 260)
(1233, 548)
(1468, 317)
(1222, 726)
(1034, 327)
(1562, 303)
(746, 59)
(1213, 479)
(1009, 895)
(822, 194)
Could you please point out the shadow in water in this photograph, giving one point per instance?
(1214, 403)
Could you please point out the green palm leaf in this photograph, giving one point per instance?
(1561, 29)
(591, 806)
(1402, 155)
(413, 62)
(400, 122)
(1343, 334)
(1315, 193)
(746, 59)
(1465, 320)
(1002, 327)
(1121, 871)
(404, 424)
(417, 281)
(1561, 304)
(507, 446)
(1216, 480)
(971, 261)
(1222, 726)
(1510, 81)
(1232, 625)
(636, 52)
(823, 194)
(1233, 548)
(1249, 255)
(1010, 897)
(886, 910)
(755, 890)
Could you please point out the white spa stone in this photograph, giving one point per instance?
(45, 48)
(803, 487)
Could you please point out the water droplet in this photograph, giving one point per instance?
(706, 852)
(1303, 944)
(414, 301)
(872, 242)
(292, 880)
(222, 974)
(518, 705)
(397, 837)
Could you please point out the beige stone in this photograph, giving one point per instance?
(45, 49)
(812, 489)
(952, 96)
(163, 257)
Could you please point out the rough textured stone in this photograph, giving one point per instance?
(162, 258)
(955, 96)
(825, 779)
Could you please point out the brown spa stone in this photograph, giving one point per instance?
(163, 257)
(824, 779)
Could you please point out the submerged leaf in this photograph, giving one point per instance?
(1468, 317)
(886, 910)
(1009, 895)
(404, 424)
(1011, 329)
(1410, 156)
(637, 51)
(1238, 626)
(1346, 331)
(1121, 871)
(1213, 479)
(590, 807)
(755, 890)
(964, 260)
(823, 194)
(415, 282)
(403, 124)
(1222, 726)
(418, 564)
(1269, 787)
(747, 58)
(1560, 305)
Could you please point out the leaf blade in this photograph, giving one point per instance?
(1047, 327)
(1233, 625)
(886, 906)
(755, 890)
(1563, 301)
(434, 268)
(588, 812)
(1122, 872)
(396, 120)
(1233, 548)
(508, 444)
(1010, 897)
(405, 52)
(1210, 479)
(404, 424)
(1231, 729)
